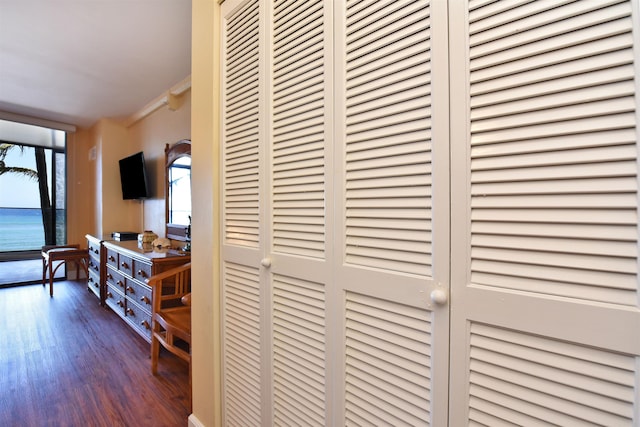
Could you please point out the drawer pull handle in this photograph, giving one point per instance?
(130, 290)
(109, 295)
(109, 276)
(90, 279)
(145, 324)
(129, 311)
(124, 265)
(120, 283)
(142, 273)
(95, 251)
(111, 258)
(97, 285)
(145, 300)
(120, 303)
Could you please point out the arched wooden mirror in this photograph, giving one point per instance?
(178, 190)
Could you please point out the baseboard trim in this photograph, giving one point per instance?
(194, 421)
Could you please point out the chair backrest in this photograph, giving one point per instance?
(170, 286)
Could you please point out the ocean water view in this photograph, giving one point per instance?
(21, 229)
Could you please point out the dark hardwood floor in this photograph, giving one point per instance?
(66, 361)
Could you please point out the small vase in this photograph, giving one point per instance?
(147, 237)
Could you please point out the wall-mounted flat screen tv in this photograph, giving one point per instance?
(133, 177)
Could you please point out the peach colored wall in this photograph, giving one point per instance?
(150, 135)
(81, 185)
(117, 214)
(94, 200)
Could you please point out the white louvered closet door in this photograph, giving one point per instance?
(545, 131)
(277, 190)
(392, 229)
(333, 212)
(243, 225)
(300, 228)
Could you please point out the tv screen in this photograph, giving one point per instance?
(133, 177)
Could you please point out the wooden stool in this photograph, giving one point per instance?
(64, 254)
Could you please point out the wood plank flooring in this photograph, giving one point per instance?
(66, 361)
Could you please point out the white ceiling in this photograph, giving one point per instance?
(76, 61)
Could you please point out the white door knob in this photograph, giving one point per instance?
(439, 297)
(266, 262)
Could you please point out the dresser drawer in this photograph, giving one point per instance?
(125, 264)
(94, 265)
(113, 292)
(140, 293)
(94, 249)
(95, 256)
(93, 282)
(141, 270)
(115, 279)
(115, 300)
(112, 258)
(138, 317)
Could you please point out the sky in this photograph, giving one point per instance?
(17, 191)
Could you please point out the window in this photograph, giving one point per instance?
(32, 188)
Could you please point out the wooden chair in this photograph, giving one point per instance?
(171, 314)
(63, 254)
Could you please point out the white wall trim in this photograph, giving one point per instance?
(168, 98)
(194, 421)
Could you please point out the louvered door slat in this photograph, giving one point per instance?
(617, 249)
(583, 189)
(595, 232)
(615, 153)
(557, 201)
(610, 136)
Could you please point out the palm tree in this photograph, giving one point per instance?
(5, 147)
(40, 175)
